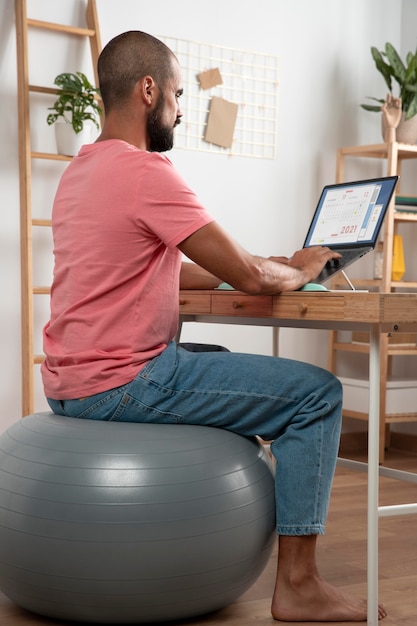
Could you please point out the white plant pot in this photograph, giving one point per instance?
(406, 131)
(68, 142)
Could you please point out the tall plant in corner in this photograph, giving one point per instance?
(392, 68)
(76, 101)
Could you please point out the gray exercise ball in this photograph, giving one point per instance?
(116, 522)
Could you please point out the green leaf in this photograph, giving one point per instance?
(382, 67)
(411, 88)
(370, 107)
(412, 108)
(397, 65)
(373, 107)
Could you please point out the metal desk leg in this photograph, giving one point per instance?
(178, 334)
(373, 475)
(275, 341)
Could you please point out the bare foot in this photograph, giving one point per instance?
(315, 600)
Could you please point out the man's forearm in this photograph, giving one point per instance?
(193, 276)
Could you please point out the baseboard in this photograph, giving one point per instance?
(404, 441)
(358, 442)
(353, 442)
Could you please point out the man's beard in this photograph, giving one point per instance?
(161, 138)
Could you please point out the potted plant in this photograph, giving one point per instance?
(75, 105)
(392, 68)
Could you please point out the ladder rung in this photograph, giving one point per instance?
(39, 222)
(43, 291)
(62, 28)
(50, 156)
(38, 89)
(53, 91)
(38, 358)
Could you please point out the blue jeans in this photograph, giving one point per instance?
(296, 405)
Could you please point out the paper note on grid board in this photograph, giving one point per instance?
(221, 122)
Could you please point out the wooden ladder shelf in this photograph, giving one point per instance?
(26, 155)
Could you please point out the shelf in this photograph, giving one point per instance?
(391, 408)
(409, 285)
(405, 216)
(374, 284)
(390, 418)
(381, 150)
(394, 349)
(400, 403)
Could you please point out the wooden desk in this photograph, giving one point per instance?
(332, 310)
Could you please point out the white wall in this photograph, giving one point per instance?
(325, 71)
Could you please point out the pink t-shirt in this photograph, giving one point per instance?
(118, 215)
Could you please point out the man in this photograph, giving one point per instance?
(122, 219)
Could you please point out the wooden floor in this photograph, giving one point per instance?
(341, 557)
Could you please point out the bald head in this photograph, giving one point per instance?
(126, 59)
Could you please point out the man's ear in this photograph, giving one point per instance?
(148, 89)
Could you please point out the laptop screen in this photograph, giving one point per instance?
(350, 213)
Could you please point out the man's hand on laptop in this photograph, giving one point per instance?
(312, 260)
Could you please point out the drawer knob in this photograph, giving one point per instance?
(237, 305)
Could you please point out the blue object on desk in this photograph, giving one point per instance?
(307, 287)
(313, 287)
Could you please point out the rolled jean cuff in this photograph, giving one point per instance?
(301, 531)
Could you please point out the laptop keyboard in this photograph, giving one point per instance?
(346, 256)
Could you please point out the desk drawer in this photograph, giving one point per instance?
(195, 303)
(310, 306)
(241, 305)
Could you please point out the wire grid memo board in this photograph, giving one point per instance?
(250, 79)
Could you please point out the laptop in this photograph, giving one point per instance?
(348, 219)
